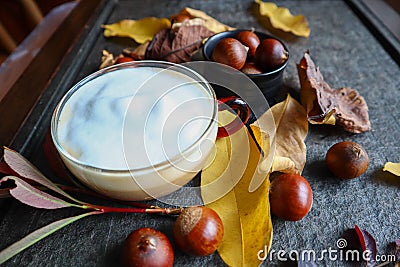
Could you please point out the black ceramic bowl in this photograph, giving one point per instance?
(270, 83)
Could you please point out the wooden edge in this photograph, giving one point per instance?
(376, 26)
(24, 94)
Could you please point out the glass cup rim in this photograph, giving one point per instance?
(143, 63)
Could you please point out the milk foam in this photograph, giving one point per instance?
(134, 118)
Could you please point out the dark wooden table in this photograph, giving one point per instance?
(348, 53)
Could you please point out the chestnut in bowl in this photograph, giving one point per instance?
(268, 81)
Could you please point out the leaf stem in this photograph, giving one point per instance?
(153, 210)
(94, 194)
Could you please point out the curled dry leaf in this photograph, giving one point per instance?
(291, 130)
(191, 22)
(282, 19)
(107, 59)
(245, 214)
(393, 168)
(137, 53)
(345, 106)
(208, 22)
(177, 45)
(283, 164)
(139, 30)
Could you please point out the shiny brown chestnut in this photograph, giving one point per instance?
(249, 39)
(198, 231)
(231, 52)
(269, 83)
(290, 197)
(270, 54)
(347, 160)
(250, 68)
(147, 247)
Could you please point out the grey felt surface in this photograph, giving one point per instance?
(348, 55)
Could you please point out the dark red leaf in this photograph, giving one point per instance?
(32, 196)
(27, 170)
(368, 243)
(5, 169)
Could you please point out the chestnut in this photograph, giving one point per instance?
(250, 68)
(270, 55)
(347, 160)
(147, 247)
(198, 231)
(249, 39)
(290, 197)
(231, 52)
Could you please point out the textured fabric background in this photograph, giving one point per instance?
(348, 55)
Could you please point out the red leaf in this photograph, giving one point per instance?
(368, 243)
(5, 169)
(26, 169)
(33, 197)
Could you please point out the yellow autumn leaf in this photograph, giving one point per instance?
(393, 168)
(282, 164)
(139, 30)
(282, 19)
(209, 22)
(245, 214)
(262, 138)
(327, 118)
(291, 130)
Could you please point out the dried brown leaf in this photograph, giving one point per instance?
(322, 103)
(291, 130)
(177, 45)
(107, 59)
(137, 53)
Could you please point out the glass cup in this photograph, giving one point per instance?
(140, 130)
